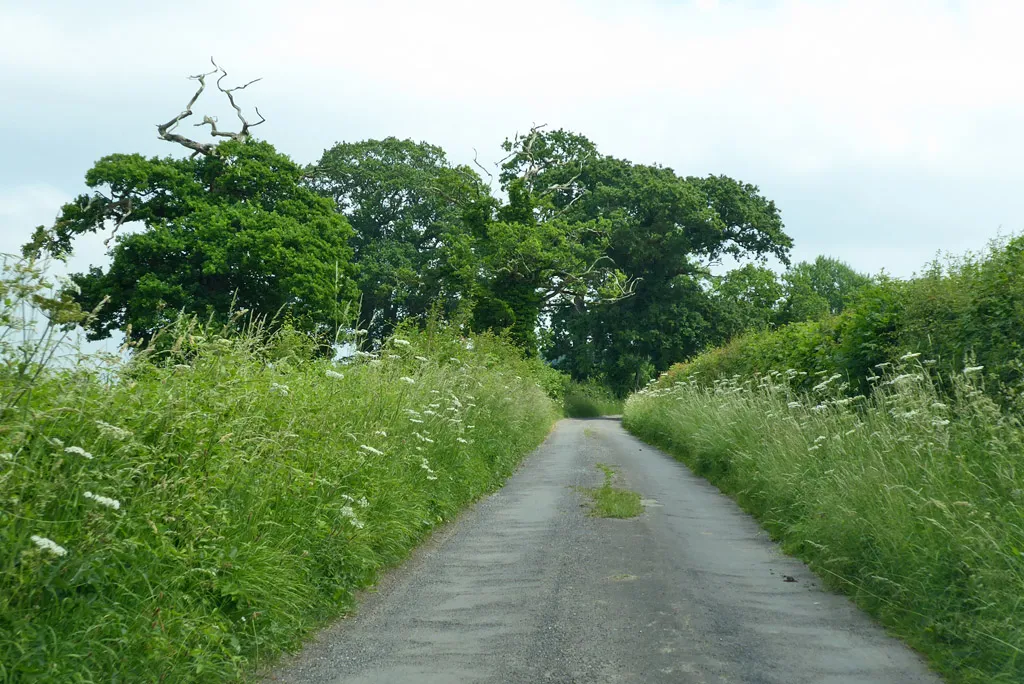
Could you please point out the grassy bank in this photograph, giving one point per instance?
(911, 501)
(188, 515)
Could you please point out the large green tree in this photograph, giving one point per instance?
(745, 298)
(664, 230)
(428, 232)
(232, 227)
(538, 257)
(818, 288)
(413, 215)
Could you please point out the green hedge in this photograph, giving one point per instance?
(967, 312)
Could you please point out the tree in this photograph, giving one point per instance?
(819, 288)
(231, 227)
(745, 298)
(412, 213)
(664, 230)
(536, 256)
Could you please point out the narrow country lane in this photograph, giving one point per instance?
(526, 587)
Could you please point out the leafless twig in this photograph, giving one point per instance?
(166, 131)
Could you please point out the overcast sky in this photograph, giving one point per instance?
(886, 130)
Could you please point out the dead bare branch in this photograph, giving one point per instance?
(124, 214)
(244, 133)
(166, 131)
(476, 161)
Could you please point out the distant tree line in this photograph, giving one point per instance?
(601, 265)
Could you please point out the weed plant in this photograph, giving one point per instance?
(610, 501)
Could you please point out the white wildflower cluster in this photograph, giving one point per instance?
(794, 404)
(423, 438)
(113, 431)
(460, 440)
(407, 379)
(399, 342)
(104, 500)
(825, 383)
(366, 447)
(362, 502)
(421, 358)
(971, 370)
(78, 450)
(49, 545)
(910, 355)
(902, 377)
(349, 514)
(278, 388)
(6, 456)
(380, 433)
(334, 374)
(425, 465)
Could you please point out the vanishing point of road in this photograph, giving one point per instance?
(527, 587)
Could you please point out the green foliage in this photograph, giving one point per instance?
(233, 230)
(206, 505)
(819, 288)
(909, 500)
(969, 312)
(663, 229)
(589, 400)
(413, 216)
(745, 299)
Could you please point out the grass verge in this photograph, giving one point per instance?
(612, 502)
(910, 503)
(188, 515)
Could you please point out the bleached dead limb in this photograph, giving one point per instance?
(166, 131)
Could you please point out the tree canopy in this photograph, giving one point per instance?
(234, 230)
(663, 230)
(412, 213)
(602, 265)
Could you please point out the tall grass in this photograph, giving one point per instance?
(188, 514)
(910, 501)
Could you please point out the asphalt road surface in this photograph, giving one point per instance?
(527, 587)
